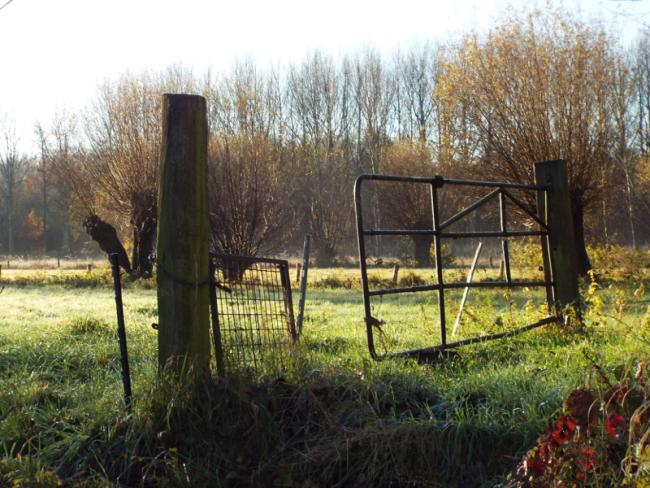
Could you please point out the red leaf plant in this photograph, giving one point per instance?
(594, 441)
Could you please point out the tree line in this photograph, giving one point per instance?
(285, 145)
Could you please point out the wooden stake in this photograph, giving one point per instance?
(395, 274)
(470, 276)
(182, 253)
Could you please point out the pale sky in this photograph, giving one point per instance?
(55, 53)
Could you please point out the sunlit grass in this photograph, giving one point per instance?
(460, 423)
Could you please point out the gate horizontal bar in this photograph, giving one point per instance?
(495, 184)
(497, 284)
(395, 291)
(453, 235)
(490, 233)
(440, 181)
(473, 340)
(461, 284)
(399, 232)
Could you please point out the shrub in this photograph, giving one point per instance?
(618, 263)
(602, 438)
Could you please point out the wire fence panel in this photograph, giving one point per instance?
(254, 327)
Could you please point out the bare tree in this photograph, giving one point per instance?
(250, 194)
(13, 168)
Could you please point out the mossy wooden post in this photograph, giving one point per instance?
(554, 207)
(182, 253)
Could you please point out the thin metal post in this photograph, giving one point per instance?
(288, 303)
(504, 242)
(216, 330)
(303, 283)
(121, 330)
(439, 270)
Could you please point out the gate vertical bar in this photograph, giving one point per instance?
(504, 242)
(438, 249)
(542, 202)
(363, 267)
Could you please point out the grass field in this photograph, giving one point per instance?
(335, 418)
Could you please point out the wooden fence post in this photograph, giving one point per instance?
(395, 275)
(554, 208)
(182, 252)
(298, 269)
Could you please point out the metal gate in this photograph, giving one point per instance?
(503, 191)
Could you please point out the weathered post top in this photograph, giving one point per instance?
(182, 252)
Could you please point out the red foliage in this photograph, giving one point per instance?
(587, 444)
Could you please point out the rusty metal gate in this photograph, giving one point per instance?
(504, 192)
(252, 313)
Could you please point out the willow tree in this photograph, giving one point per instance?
(115, 174)
(538, 88)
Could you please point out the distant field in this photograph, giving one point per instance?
(335, 417)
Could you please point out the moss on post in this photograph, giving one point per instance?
(182, 252)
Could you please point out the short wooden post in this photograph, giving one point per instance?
(182, 253)
(395, 274)
(89, 268)
(298, 268)
(554, 207)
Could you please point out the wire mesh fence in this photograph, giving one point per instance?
(253, 322)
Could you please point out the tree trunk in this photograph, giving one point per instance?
(146, 238)
(324, 254)
(582, 259)
(422, 250)
(143, 221)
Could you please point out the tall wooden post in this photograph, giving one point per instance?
(182, 253)
(554, 207)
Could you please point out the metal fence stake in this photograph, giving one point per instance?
(303, 283)
(121, 331)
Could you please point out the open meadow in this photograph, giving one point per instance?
(333, 418)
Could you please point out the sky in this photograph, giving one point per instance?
(55, 53)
